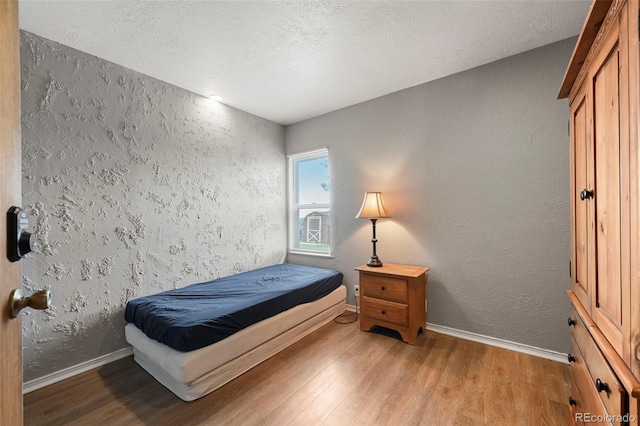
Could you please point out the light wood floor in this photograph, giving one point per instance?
(335, 376)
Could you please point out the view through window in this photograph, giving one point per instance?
(309, 195)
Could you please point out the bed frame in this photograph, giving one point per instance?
(191, 375)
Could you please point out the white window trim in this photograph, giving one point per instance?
(294, 207)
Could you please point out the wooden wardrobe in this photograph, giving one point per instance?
(601, 84)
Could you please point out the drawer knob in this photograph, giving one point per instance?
(586, 194)
(382, 288)
(572, 401)
(601, 386)
(571, 358)
(383, 312)
(571, 322)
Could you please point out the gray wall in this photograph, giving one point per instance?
(474, 168)
(134, 186)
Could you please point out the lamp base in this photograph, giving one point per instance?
(374, 262)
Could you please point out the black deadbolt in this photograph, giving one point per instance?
(19, 241)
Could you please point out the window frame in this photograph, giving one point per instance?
(295, 206)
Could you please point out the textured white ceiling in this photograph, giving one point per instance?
(292, 60)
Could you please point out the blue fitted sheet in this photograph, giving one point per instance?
(198, 315)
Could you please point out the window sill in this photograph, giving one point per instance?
(310, 253)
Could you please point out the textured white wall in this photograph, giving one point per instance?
(475, 172)
(134, 186)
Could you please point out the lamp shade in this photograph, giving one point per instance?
(373, 206)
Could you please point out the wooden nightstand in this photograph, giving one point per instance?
(393, 296)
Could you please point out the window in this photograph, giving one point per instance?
(309, 205)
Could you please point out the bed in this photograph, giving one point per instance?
(195, 339)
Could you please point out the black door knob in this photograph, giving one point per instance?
(586, 194)
(571, 358)
(601, 386)
(571, 322)
(572, 401)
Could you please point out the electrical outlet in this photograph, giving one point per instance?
(356, 290)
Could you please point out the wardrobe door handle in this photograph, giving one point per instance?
(571, 358)
(571, 322)
(586, 194)
(601, 386)
(572, 401)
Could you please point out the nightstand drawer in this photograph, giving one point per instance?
(386, 288)
(395, 313)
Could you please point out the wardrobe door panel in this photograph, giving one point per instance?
(607, 306)
(581, 155)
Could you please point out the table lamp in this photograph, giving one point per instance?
(373, 208)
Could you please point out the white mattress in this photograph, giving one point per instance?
(193, 374)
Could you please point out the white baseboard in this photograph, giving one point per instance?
(505, 344)
(492, 341)
(57, 376)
